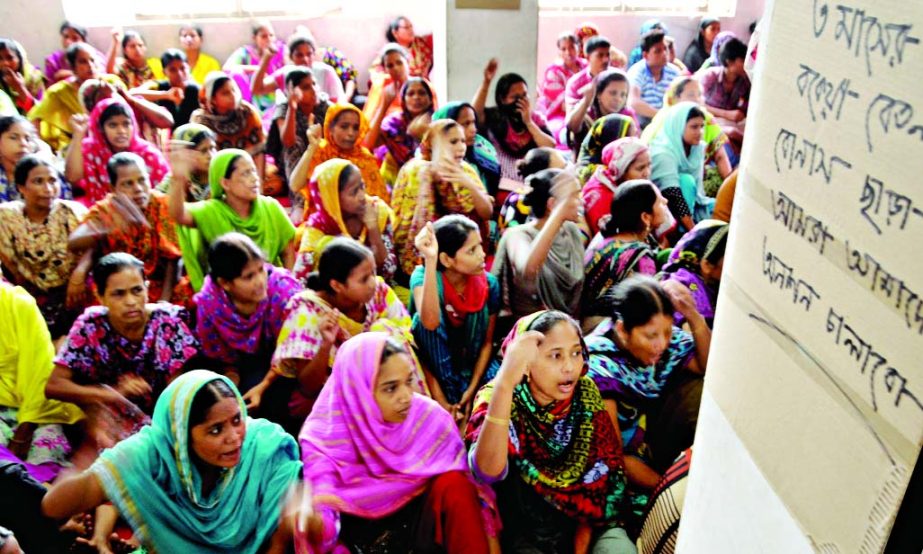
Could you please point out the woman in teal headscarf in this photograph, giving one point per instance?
(235, 205)
(678, 161)
(201, 477)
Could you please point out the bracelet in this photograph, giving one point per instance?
(499, 421)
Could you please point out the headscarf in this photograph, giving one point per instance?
(358, 156)
(360, 464)
(189, 133)
(583, 33)
(714, 136)
(568, 452)
(482, 153)
(720, 40)
(617, 157)
(400, 144)
(604, 130)
(31, 76)
(155, 484)
(229, 124)
(668, 155)
(683, 265)
(96, 153)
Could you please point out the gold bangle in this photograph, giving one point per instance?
(499, 421)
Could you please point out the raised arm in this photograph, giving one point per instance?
(480, 96)
(300, 176)
(261, 83)
(180, 163)
(577, 113)
(73, 164)
(427, 296)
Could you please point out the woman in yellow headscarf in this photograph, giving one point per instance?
(344, 207)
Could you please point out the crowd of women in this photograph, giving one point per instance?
(259, 308)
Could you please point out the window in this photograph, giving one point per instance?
(718, 8)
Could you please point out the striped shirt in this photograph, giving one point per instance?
(652, 91)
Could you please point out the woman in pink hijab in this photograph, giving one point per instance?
(622, 160)
(386, 464)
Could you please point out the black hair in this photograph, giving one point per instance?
(8, 121)
(172, 55)
(194, 26)
(391, 48)
(595, 43)
(80, 30)
(637, 299)
(25, 166)
(210, 394)
(201, 136)
(540, 185)
(452, 231)
(681, 83)
(336, 261)
(695, 112)
(652, 38)
(345, 175)
(393, 26)
(296, 75)
(426, 87)
(392, 347)
(568, 36)
(232, 166)
(15, 48)
(548, 319)
(606, 78)
(631, 199)
(112, 110)
(298, 40)
(505, 83)
(110, 264)
(71, 52)
(534, 161)
(733, 49)
(130, 34)
(230, 253)
(123, 159)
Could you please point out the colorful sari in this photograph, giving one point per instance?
(399, 144)
(250, 55)
(551, 93)
(604, 130)
(326, 222)
(132, 76)
(97, 152)
(481, 154)
(684, 267)
(608, 262)
(156, 485)
(599, 189)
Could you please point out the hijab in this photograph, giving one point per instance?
(604, 130)
(617, 157)
(668, 152)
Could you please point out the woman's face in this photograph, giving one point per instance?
(303, 55)
(263, 37)
(613, 98)
(345, 130)
(647, 343)
(16, 142)
(661, 210)
(68, 37)
(568, 50)
(394, 387)
(396, 66)
(558, 366)
(404, 32)
(517, 92)
(9, 60)
(694, 131)
(244, 182)
(84, 66)
(205, 151)
(455, 143)
(308, 91)
(712, 272)
(692, 92)
(352, 195)
(470, 258)
(640, 168)
(125, 297)
(135, 50)
(118, 130)
(132, 182)
(177, 73)
(466, 119)
(710, 32)
(189, 39)
(417, 98)
(360, 286)
(250, 286)
(217, 441)
(226, 97)
(41, 188)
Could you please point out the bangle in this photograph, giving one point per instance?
(499, 421)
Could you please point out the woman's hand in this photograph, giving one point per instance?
(294, 97)
(79, 126)
(426, 244)
(254, 396)
(682, 298)
(524, 108)
(490, 71)
(329, 326)
(370, 214)
(13, 80)
(520, 355)
(176, 95)
(315, 131)
(182, 159)
(132, 386)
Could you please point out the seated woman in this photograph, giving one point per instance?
(294, 117)
(652, 371)
(713, 59)
(384, 92)
(202, 477)
(514, 210)
(603, 132)
(33, 244)
(240, 311)
(419, 47)
(677, 164)
(57, 66)
(625, 244)
(625, 159)
(235, 205)
(18, 139)
(540, 264)
(512, 126)
(123, 349)
(18, 78)
(111, 129)
(480, 153)
(132, 68)
(200, 63)
(697, 261)
(245, 61)
(343, 208)
(454, 306)
(175, 92)
(401, 132)
(539, 406)
(30, 424)
(439, 183)
(700, 47)
(605, 95)
(345, 129)
(550, 103)
(133, 219)
(201, 141)
(344, 298)
(415, 491)
(301, 49)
